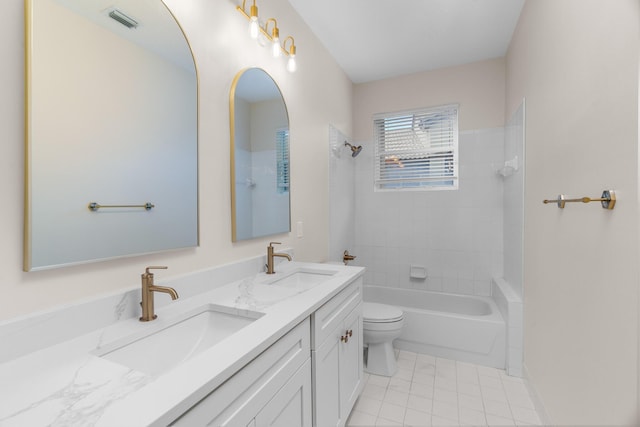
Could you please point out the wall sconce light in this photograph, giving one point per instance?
(272, 36)
(275, 37)
(291, 62)
(254, 25)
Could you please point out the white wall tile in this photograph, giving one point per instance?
(466, 286)
(455, 234)
(482, 287)
(434, 284)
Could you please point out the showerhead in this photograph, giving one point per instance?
(354, 150)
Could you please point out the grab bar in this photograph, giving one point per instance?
(607, 200)
(95, 206)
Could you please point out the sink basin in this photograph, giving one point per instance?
(304, 279)
(167, 345)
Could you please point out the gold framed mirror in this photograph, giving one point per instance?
(111, 119)
(260, 168)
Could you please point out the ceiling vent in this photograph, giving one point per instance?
(123, 19)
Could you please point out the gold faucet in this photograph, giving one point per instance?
(148, 288)
(271, 254)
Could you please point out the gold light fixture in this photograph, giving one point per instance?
(291, 62)
(254, 25)
(273, 36)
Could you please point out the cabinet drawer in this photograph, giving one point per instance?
(238, 400)
(334, 311)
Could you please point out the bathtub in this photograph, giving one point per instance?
(461, 327)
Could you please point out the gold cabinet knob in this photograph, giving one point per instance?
(345, 338)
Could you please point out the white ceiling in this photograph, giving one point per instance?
(378, 39)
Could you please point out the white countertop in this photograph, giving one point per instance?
(66, 385)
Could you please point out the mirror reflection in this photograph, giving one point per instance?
(111, 119)
(259, 157)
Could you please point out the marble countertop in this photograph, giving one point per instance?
(66, 384)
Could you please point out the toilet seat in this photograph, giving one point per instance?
(380, 313)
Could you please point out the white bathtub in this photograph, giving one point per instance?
(460, 327)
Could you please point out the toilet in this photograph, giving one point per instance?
(382, 324)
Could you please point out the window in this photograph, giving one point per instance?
(282, 160)
(417, 150)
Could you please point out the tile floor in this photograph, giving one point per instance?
(431, 391)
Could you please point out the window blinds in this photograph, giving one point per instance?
(282, 160)
(417, 149)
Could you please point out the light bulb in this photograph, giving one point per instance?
(275, 39)
(291, 52)
(291, 64)
(276, 47)
(254, 27)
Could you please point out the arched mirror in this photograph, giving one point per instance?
(111, 132)
(259, 157)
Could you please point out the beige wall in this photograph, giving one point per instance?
(218, 36)
(478, 88)
(576, 62)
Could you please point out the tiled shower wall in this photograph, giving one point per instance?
(256, 192)
(512, 306)
(455, 235)
(514, 202)
(341, 196)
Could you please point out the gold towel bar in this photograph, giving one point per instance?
(607, 200)
(95, 206)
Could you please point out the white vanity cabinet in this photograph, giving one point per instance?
(287, 367)
(336, 356)
(311, 376)
(272, 390)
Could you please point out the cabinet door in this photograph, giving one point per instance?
(333, 312)
(326, 379)
(337, 372)
(351, 373)
(237, 401)
(291, 405)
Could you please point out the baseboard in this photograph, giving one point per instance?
(535, 398)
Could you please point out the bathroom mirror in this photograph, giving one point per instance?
(259, 157)
(111, 119)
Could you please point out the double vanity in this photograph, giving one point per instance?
(230, 345)
(239, 347)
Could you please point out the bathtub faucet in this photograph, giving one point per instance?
(346, 257)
